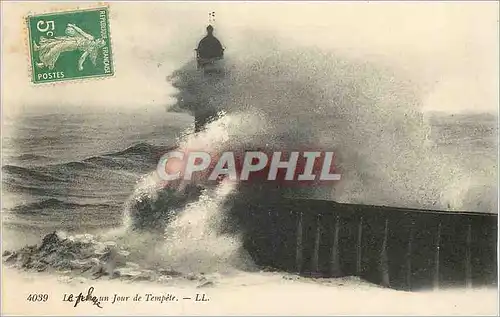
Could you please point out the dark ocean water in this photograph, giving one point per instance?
(75, 171)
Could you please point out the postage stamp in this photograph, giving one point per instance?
(70, 45)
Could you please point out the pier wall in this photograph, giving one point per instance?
(399, 248)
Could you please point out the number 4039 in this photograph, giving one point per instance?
(37, 297)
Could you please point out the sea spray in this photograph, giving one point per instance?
(194, 242)
(178, 225)
(154, 201)
(369, 115)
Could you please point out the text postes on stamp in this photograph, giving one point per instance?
(70, 45)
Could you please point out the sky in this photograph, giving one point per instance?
(449, 48)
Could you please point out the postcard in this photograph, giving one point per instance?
(249, 158)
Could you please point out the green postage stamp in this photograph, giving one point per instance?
(70, 45)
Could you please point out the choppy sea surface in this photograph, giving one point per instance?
(76, 171)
